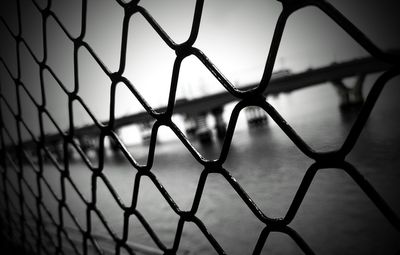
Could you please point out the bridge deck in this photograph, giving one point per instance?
(278, 84)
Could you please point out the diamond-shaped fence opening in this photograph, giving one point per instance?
(60, 53)
(31, 26)
(30, 74)
(72, 78)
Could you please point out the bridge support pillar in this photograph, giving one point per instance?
(113, 144)
(71, 152)
(203, 132)
(190, 126)
(256, 116)
(220, 125)
(145, 131)
(57, 150)
(350, 96)
(88, 145)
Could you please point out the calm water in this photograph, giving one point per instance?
(336, 217)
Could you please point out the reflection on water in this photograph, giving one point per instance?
(336, 217)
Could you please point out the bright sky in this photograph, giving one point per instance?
(234, 34)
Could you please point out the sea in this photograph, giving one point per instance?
(335, 217)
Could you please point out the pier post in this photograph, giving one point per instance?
(71, 152)
(220, 125)
(84, 143)
(57, 150)
(88, 145)
(145, 131)
(114, 147)
(203, 132)
(190, 126)
(350, 96)
(255, 116)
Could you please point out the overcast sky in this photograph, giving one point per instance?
(234, 34)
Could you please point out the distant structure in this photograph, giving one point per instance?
(195, 111)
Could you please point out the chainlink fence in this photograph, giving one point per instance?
(36, 228)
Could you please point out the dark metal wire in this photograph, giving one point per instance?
(17, 218)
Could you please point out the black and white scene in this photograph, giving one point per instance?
(198, 127)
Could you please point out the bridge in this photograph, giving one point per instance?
(196, 110)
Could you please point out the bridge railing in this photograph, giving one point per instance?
(28, 221)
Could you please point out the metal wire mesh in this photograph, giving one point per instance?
(16, 216)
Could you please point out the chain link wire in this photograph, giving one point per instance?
(29, 226)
